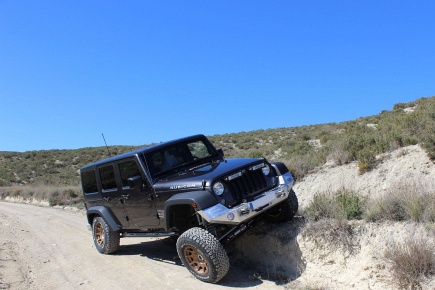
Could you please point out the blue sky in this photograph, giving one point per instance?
(151, 71)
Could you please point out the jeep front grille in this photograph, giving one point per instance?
(249, 184)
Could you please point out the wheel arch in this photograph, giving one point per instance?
(196, 200)
(280, 167)
(106, 214)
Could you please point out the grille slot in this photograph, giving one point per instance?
(249, 184)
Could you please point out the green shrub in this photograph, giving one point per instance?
(342, 204)
(350, 203)
(323, 206)
(366, 161)
(255, 154)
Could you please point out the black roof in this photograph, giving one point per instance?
(141, 151)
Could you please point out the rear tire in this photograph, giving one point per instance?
(106, 241)
(203, 255)
(284, 211)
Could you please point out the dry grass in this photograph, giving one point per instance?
(412, 261)
(407, 200)
(337, 234)
(54, 195)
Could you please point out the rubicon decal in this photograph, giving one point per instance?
(183, 186)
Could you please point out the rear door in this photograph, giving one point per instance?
(110, 193)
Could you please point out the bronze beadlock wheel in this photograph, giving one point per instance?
(196, 260)
(105, 239)
(203, 255)
(99, 234)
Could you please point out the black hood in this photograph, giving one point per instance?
(198, 176)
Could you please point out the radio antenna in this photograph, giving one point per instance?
(107, 147)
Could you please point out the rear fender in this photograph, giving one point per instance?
(106, 214)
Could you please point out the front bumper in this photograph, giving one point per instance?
(220, 214)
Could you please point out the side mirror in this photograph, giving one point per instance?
(220, 152)
(135, 182)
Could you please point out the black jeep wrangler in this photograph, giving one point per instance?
(185, 189)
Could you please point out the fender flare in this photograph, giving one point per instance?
(106, 213)
(203, 199)
(279, 167)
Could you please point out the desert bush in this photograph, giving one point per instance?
(366, 160)
(323, 206)
(350, 203)
(338, 155)
(342, 204)
(255, 154)
(387, 207)
(411, 261)
(301, 166)
(411, 200)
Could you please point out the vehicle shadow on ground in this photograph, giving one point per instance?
(158, 249)
(163, 250)
(266, 252)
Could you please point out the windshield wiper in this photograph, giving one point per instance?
(163, 174)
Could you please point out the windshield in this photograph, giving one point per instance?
(175, 155)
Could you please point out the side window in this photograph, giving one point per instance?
(107, 175)
(89, 182)
(128, 169)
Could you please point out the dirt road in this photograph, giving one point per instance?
(47, 248)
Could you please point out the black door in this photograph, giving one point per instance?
(138, 201)
(111, 195)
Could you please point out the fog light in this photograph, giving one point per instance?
(230, 216)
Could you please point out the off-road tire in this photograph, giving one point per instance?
(203, 255)
(283, 211)
(106, 241)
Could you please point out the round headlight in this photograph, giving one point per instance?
(266, 170)
(218, 188)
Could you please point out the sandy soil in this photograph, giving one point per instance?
(48, 248)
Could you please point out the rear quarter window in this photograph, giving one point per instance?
(89, 182)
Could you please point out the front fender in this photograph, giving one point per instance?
(279, 167)
(106, 214)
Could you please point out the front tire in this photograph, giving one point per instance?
(203, 255)
(106, 241)
(284, 211)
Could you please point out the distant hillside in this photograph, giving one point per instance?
(301, 148)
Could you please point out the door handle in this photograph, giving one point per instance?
(106, 198)
(126, 196)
